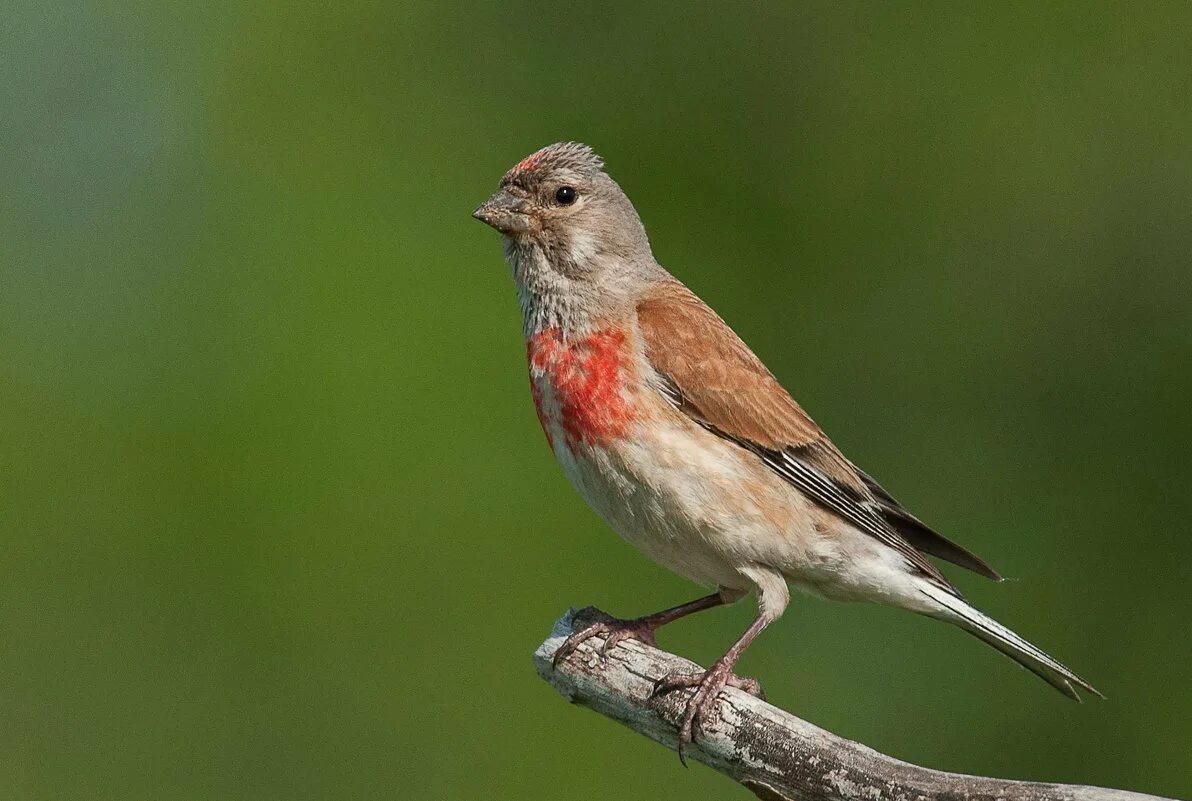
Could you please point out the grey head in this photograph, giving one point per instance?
(573, 239)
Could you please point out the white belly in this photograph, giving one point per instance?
(694, 503)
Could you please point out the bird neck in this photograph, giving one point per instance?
(551, 300)
(603, 291)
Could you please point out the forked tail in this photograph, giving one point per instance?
(954, 610)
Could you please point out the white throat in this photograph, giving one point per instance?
(549, 299)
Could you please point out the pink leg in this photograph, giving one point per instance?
(709, 683)
(641, 629)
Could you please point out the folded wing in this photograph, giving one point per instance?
(709, 374)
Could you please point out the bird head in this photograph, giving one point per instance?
(561, 202)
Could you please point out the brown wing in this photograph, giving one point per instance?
(712, 376)
(725, 382)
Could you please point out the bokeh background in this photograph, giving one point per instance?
(277, 518)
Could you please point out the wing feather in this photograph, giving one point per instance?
(918, 534)
(708, 373)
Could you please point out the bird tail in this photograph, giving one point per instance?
(980, 625)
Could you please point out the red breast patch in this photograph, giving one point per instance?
(586, 378)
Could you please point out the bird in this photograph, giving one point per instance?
(682, 440)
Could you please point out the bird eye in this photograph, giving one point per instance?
(565, 195)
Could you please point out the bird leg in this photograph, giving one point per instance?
(709, 684)
(642, 629)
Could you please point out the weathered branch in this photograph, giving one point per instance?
(770, 751)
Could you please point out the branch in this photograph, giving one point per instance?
(773, 753)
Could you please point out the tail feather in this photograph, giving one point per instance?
(980, 625)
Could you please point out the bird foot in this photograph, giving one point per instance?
(613, 629)
(707, 689)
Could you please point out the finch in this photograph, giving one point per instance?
(679, 437)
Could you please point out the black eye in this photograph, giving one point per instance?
(565, 195)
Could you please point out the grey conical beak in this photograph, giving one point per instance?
(504, 211)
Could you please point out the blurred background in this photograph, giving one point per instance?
(278, 520)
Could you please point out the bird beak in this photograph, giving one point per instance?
(504, 211)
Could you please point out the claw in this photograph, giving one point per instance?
(707, 691)
(614, 630)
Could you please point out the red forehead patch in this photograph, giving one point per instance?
(528, 162)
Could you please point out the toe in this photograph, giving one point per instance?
(572, 643)
(687, 729)
(700, 704)
(749, 685)
(675, 681)
(630, 631)
(614, 637)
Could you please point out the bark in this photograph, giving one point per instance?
(768, 750)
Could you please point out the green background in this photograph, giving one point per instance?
(278, 521)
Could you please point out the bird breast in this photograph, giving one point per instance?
(581, 385)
